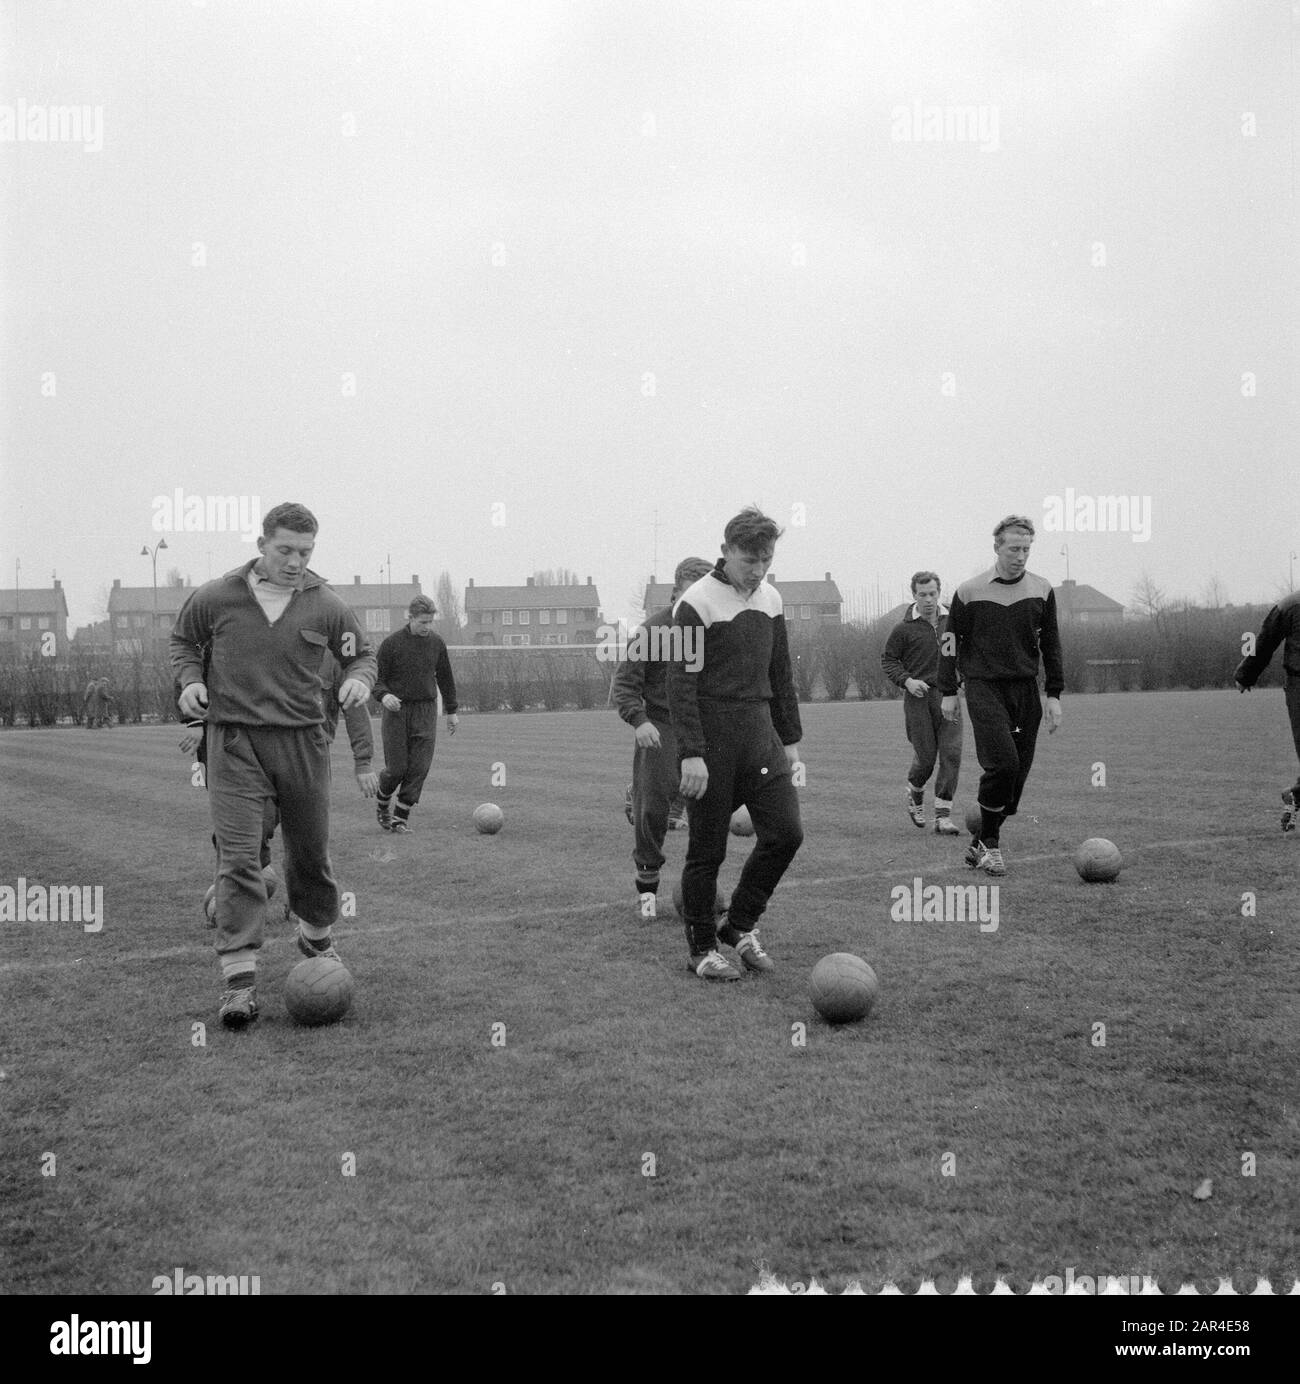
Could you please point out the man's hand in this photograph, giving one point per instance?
(950, 709)
(792, 755)
(916, 687)
(354, 692)
(391, 703)
(695, 777)
(368, 783)
(189, 742)
(1053, 715)
(452, 722)
(647, 736)
(193, 701)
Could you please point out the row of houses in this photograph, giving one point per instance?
(141, 617)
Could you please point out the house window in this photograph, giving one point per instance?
(25, 622)
(525, 616)
(123, 622)
(43, 622)
(379, 619)
(543, 617)
(6, 622)
(805, 612)
(552, 639)
(507, 617)
(561, 617)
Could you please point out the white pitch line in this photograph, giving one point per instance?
(570, 911)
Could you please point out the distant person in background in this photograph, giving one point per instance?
(641, 697)
(911, 661)
(413, 669)
(106, 703)
(1281, 626)
(999, 624)
(90, 704)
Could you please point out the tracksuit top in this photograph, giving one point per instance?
(1281, 623)
(1001, 627)
(912, 649)
(641, 684)
(264, 674)
(745, 660)
(415, 668)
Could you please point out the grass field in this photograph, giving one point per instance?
(638, 1130)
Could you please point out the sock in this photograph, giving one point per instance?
(941, 808)
(918, 794)
(647, 884)
(385, 802)
(991, 825)
(313, 933)
(239, 966)
(402, 811)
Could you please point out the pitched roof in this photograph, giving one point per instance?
(1073, 597)
(793, 593)
(140, 598)
(531, 598)
(33, 600)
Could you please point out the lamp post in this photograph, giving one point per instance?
(145, 552)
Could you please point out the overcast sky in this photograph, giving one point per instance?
(486, 285)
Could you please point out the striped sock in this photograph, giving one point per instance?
(402, 811)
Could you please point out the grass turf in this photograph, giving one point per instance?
(638, 1130)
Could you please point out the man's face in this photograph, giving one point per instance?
(1013, 552)
(745, 570)
(285, 556)
(926, 597)
(421, 624)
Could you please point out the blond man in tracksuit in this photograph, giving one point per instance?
(268, 625)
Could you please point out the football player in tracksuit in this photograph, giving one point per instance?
(1281, 626)
(641, 697)
(911, 661)
(735, 714)
(266, 627)
(413, 669)
(999, 624)
(357, 720)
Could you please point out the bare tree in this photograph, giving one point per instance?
(448, 623)
(1214, 594)
(174, 577)
(556, 576)
(1148, 598)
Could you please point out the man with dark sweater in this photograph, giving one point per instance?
(1281, 626)
(999, 624)
(736, 718)
(413, 669)
(911, 661)
(641, 697)
(266, 627)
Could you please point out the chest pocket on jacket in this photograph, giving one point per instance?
(314, 653)
(316, 638)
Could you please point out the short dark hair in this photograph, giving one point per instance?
(689, 570)
(421, 605)
(751, 530)
(295, 518)
(920, 578)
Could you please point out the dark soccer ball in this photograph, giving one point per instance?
(843, 988)
(318, 991)
(741, 822)
(1098, 861)
(974, 819)
(719, 902)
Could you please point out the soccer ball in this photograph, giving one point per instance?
(741, 823)
(974, 819)
(272, 881)
(1098, 860)
(488, 819)
(843, 988)
(210, 906)
(318, 991)
(719, 902)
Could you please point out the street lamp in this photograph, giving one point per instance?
(145, 552)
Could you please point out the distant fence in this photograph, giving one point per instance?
(1189, 648)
